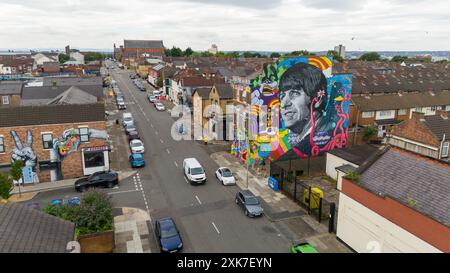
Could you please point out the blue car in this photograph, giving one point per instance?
(169, 238)
(137, 160)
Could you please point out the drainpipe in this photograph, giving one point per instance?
(440, 148)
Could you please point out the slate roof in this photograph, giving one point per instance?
(356, 154)
(74, 95)
(225, 91)
(203, 92)
(10, 88)
(51, 114)
(69, 81)
(143, 44)
(38, 95)
(27, 230)
(406, 100)
(438, 125)
(346, 168)
(405, 176)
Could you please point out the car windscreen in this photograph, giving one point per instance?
(251, 201)
(136, 144)
(168, 231)
(131, 127)
(226, 173)
(195, 171)
(128, 119)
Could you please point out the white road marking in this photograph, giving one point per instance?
(186, 180)
(175, 163)
(161, 140)
(216, 228)
(198, 199)
(117, 192)
(151, 125)
(168, 151)
(156, 132)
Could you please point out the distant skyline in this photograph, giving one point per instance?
(259, 25)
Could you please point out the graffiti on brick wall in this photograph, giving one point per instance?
(24, 152)
(303, 107)
(67, 143)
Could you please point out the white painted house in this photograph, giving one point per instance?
(77, 57)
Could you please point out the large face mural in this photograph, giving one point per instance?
(309, 105)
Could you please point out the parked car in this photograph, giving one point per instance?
(106, 179)
(127, 119)
(74, 201)
(225, 176)
(133, 76)
(136, 160)
(193, 171)
(160, 106)
(169, 238)
(136, 146)
(130, 128)
(151, 98)
(249, 203)
(121, 103)
(303, 247)
(133, 135)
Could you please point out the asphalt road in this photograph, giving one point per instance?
(206, 215)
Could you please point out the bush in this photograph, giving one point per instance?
(93, 215)
(353, 176)
(6, 185)
(369, 132)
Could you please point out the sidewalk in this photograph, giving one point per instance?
(68, 183)
(132, 231)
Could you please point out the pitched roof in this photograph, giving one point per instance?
(201, 81)
(27, 230)
(438, 125)
(37, 95)
(225, 91)
(143, 44)
(51, 114)
(203, 92)
(405, 176)
(10, 88)
(356, 154)
(406, 100)
(74, 95)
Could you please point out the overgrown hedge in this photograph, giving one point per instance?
(93, 215)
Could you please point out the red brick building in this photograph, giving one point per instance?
(55, 141)
(10, 93)
(138, 49)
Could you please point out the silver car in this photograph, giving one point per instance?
(249, 203)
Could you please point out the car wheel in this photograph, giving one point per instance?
(82, 189)
(235, 200)
(110, 185)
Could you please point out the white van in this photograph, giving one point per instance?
(193, 171)
(127, 119)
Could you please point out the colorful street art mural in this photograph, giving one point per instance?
(309, 105)
(25, 153)
(68, 142)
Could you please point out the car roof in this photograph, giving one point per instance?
(193, 162)
(136, 140)
(247, 193)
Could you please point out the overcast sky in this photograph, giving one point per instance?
(266, 25)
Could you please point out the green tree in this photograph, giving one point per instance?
(176, 52)
(399, 59)
(275, 55)
(370, 57)
(6, 185)
(299, 53)
(353, 176)
(335, 55)
(369, 132)
(188, 52)
(93, 56)
(62, 58)
(16, 170)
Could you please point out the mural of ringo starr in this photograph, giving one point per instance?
(25, 153)
(302, 96)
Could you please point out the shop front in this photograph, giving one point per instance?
(95, 159)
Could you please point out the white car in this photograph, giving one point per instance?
(160, 106)
(225, 176)
(137, 147)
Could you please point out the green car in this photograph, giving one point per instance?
(303, 248)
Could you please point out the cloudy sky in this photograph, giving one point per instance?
(266, 25)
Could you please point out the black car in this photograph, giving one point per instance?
(133, 135)
(105, 179)
(249, 203)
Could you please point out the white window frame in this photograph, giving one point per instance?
(368, 114)
(43, 142)
(5, 100)
(2, 144)
(81, 135)
(444, 150)
(402, 112)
